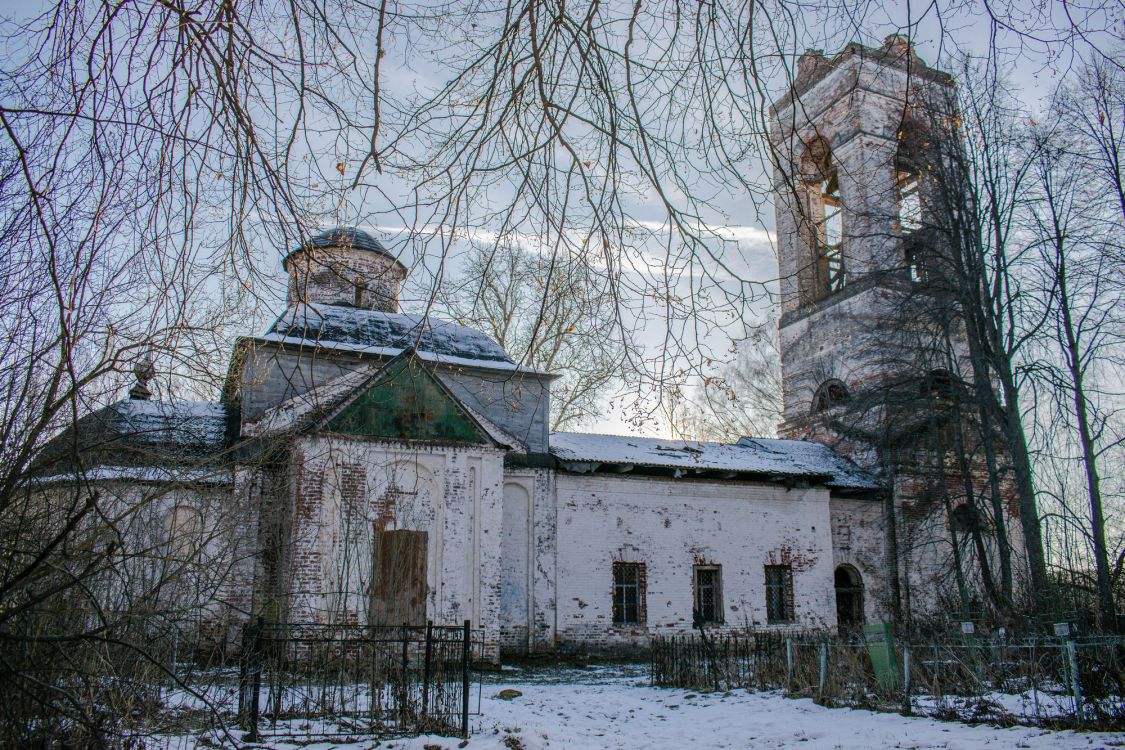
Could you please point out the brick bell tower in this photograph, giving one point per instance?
(848, 198)
(850, 142)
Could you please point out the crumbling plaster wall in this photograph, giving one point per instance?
(672, 524)
(858, 540)
(345, 489)
(528, 552)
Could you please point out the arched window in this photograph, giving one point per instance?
(830, 393)
(907, 184)
(849, 599)
(909, 159)
(940, 389)
(825, 216)
(940, 384)
(961, 519)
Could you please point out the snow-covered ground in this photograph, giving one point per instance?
(614, 707)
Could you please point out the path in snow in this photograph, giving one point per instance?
(615, 708)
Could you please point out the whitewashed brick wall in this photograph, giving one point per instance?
(527, 603)
(672, 524)
(453, 493)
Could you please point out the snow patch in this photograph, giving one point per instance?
(790, 458)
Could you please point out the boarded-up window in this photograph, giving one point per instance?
(398, 588)
(779, 593)
(628, 593)
(708, 594)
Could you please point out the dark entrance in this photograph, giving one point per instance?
(849, 599)
(398, 589)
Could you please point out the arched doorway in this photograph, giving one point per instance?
(849, 599)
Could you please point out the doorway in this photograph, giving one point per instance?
(398, 588)
(849, 599)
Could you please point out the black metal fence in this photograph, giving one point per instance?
(1058, 682)
(319, 680)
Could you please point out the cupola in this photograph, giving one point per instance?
(345, 266)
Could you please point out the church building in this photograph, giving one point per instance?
(385, 467)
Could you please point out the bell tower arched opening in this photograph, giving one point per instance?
(824, 222)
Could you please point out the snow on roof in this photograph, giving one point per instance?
(845, 473)
(788, 458)
(494, 431)
(140, 432)
(197, 423)
(215, 475)
(355, 329)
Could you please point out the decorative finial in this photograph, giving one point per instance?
(145, 371)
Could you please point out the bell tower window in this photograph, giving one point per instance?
(909, 200)
(824, 266)
(830, 393)
(831, 235)
(912, 146)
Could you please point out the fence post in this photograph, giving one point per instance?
(789, 664)
(906, 707)
(404, 679)
(1075, 680)
(465, 656)
(823, 668)
(426, 668)
(244, 676)
(252, 643)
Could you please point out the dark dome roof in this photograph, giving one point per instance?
(355, 327)
(346, 237)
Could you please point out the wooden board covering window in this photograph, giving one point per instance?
(398, 588)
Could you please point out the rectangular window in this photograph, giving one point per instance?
(779, 593)
(709, 593)
(628, 593)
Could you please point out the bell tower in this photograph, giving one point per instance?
(854, 143)
(848, 196)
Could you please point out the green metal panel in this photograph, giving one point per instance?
(881, 646)
(408, 404)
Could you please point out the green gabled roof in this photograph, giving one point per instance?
(406, 402)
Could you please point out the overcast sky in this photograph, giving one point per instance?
(744, 225)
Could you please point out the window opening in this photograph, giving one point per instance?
(627, 589)
(916, 265)
(849, 599)
(779, 593)
(909, 201)
(940, 384)
(961, 520)
(832, 273)
(708, 594)
(830, 393)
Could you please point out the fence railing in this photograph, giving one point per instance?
(1040, 681)
(319, 680)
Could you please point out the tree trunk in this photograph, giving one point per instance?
(1072, 351)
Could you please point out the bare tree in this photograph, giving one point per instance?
(1078, 233)
(981, 264)
(149, 151)
(741, 398)
(549, 312)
